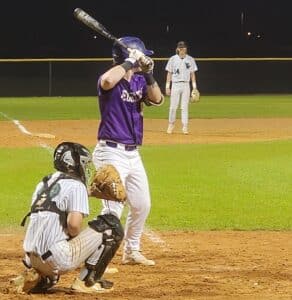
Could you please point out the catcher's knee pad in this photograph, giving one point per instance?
(107, 222)
(113, 234)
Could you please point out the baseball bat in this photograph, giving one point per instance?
(92, 23)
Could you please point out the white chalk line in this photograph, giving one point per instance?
(155, 238)
(25, 131)
(150, 234)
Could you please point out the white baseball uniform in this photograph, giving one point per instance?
(180, 69)
(119, 135)
(133, 176)
(45, 234)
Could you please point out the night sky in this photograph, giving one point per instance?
(218, 28)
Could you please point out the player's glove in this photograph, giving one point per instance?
(25, 282)
(135, 55)
(107, 184)
(146, 64)
(195, 96)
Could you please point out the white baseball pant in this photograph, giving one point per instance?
(180, 92)
(130, 166)
(69, 255)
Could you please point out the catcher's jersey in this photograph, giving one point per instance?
(121, 111)
(181, 68)
(44, 228)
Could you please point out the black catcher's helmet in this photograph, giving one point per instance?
(72, 159)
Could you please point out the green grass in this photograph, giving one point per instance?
(239, 186)
(64, 108)
(194, 187)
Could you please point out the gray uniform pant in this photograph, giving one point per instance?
(180, 92)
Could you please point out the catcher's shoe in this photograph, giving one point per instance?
(170, 128)
(185, 130)
(101, 286)
(135, 257)
(109, 270)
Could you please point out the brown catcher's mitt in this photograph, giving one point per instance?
(195, 96)
(107, 184)
(25, 282)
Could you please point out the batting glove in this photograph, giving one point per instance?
(135, 55)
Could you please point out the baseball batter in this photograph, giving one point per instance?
(122, 93)
(54, 243)
(181, 70)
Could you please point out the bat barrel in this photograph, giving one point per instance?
(86, 19)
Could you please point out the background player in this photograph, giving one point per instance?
(122, 93)
(54, 242)
(180, 69)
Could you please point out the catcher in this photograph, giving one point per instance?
(54, 243)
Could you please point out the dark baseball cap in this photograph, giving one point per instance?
(181, 44)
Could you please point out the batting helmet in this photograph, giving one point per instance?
(120, 54)
(72, 159)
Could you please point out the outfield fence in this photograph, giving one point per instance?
(78, 77)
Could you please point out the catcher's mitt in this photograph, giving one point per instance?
(107, 184)
(25, 282)
(195, 96)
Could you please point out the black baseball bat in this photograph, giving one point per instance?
(92, 23)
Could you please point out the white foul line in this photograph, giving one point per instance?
(25, 131)
(156, 239)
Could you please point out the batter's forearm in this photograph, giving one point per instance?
(110, 78)
(154, 93)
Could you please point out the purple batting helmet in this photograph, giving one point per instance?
(120, 54)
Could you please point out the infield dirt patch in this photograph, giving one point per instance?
(201, 131)
(190, 265)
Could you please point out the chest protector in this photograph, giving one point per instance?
(44, 198)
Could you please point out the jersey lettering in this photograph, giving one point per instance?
(131, 96)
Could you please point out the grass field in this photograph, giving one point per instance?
(226, 186)
(67, 108)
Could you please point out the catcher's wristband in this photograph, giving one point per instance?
(149, 78)
(167, 86)
(194, 85)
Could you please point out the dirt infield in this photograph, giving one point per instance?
(201, 131)
(190, 265)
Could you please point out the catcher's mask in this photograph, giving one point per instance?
(120, 54)
(73, 159)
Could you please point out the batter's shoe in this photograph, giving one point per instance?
(185, 130)
(102, 286)
(170, 128)
(135, 257)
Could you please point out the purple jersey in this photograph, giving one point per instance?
(121, 111)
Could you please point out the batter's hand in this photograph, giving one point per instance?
(135, 54)
(146, 64)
